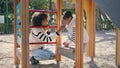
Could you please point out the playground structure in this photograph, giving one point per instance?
(88, 5)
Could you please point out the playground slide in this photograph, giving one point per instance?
(111, 8)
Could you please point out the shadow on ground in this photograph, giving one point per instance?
(92, 64)
(45, 66)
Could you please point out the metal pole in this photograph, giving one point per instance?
(6, 3)
(6, 11)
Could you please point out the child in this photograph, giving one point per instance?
(69, 23)
(40, 35)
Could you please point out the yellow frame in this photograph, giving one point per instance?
(88, 5)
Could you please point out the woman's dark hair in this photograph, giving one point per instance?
(67, 15)
(37, 20)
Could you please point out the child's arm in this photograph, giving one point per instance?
(62, 27)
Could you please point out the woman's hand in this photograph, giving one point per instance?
(65, 44)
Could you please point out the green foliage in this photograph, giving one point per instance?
(103, 22)
(6, 8)
(39, 4)
(53, 0)
(72, 10)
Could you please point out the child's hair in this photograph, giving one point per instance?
(67, 14)
(37, 19)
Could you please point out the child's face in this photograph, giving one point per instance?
(45, 22)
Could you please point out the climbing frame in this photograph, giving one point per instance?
(90, 9)
(79, 34)
(118, 47)
(59, 16)
(25, 33)
(16, 60)
(24, 30)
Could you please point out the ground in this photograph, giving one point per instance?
(105, 53)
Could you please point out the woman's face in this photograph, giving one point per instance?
(45, 22)
(67, 20)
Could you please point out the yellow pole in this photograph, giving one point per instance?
(73, 1)
(118, 47)
(25, 33)
(90, 9)
(59, 15)
(79, 34)
(16, 60)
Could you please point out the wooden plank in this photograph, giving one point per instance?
(59, 14)
(79, 34)
(67, 52)
(16, 60)
(18, 53)
(90, 9)
(25, 33)
(118, 46)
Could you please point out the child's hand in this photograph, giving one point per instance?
(65, 44)
(61, 28)
(48, 28)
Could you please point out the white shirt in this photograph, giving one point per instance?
(72, 32)
(40, 35)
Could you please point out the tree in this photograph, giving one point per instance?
(6, 8)
(2, 6)
(39, 4)
(103, 22)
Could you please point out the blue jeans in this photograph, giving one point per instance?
(84, 47)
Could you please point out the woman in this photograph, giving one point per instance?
(69, 23)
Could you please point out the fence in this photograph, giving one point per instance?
(6, 28)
